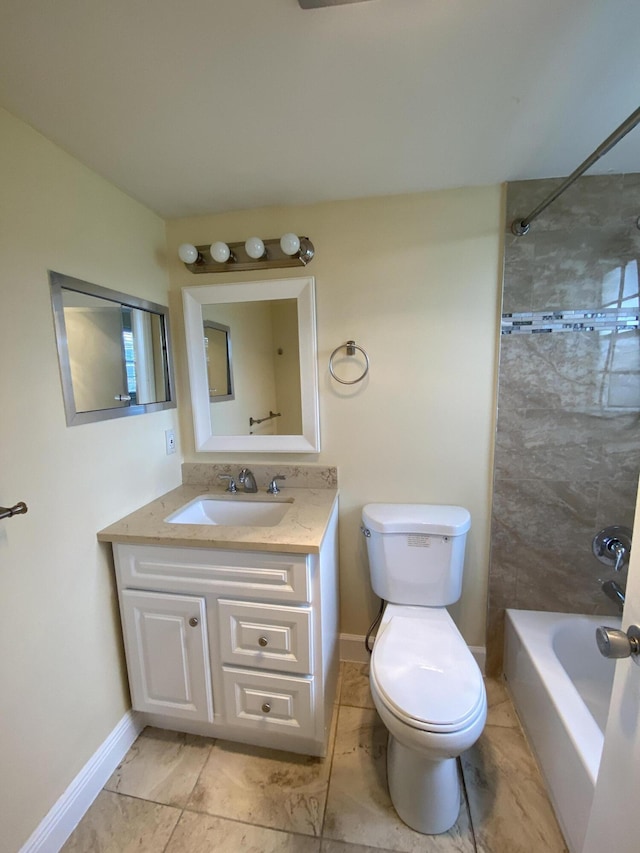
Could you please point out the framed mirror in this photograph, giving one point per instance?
(274, 402)
(217, 349)
(113, 351)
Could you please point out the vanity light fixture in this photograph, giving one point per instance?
(221, 253)
(254, 254)
(188, 254)
(254, 247)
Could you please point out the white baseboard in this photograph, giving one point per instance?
(64, 816)
(352, 649)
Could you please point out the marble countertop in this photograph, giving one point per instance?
(301, 530)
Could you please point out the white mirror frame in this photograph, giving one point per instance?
(303, 291)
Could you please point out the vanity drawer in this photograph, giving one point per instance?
(265, 636)
(249, 574)
(266, 701)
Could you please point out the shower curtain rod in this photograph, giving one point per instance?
(519, 227)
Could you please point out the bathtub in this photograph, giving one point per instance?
(561, 686)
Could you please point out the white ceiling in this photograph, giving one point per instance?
(195, 106)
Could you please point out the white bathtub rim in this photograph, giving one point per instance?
(581, 727)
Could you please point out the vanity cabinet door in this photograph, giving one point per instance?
(167, 654)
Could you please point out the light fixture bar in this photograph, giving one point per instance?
(240, 261)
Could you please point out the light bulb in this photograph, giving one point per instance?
(254, 247)
(290, 244)
(220, 252)
(188, 253)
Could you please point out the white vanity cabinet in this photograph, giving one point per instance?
(241, 645)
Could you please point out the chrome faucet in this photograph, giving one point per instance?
(246, 479)
(615, 592)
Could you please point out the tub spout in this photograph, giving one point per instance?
(614, 591)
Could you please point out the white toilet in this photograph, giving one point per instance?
(425, 682)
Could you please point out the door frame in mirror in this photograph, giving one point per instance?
(303, 291)
(59, 282)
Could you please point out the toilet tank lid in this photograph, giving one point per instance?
(417, 518)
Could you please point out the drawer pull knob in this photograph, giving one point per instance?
(263, 642)
(193, 622)
(266, 707)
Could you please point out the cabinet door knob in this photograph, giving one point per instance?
(193, 622)
(266, 707)
(263, 641)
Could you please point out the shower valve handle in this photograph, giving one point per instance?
(613, 643)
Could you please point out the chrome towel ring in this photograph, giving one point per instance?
(351, 347)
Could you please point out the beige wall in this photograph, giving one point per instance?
(413, 279)
(61, 669)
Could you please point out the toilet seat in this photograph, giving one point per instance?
(424, 672)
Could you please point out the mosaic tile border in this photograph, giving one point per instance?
(581, 320)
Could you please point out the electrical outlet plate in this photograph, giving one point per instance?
(170, 441)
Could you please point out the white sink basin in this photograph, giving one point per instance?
(234, 512)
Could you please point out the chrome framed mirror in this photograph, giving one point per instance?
(113, 351)
(217, 348)
(274, 407)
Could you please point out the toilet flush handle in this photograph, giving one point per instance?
(365, 530)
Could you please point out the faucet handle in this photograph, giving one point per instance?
(612, 546)
(273, 486)
(232, 483)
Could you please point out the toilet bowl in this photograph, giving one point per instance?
(430, 695)
(425, 683)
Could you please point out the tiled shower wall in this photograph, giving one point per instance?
(567, 454)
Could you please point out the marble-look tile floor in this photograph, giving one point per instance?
(177, 793)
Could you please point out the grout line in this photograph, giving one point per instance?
(142, 799)
(468, 804)
(337, 708)
(238, 820)
(204, 764)
(166, 846)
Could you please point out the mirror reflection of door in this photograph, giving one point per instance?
(115, 353)
(217, 348)
(146, 377)
(95, 340)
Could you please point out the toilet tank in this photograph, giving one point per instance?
(416, 552)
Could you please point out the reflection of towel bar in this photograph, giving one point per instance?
(271, 414)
